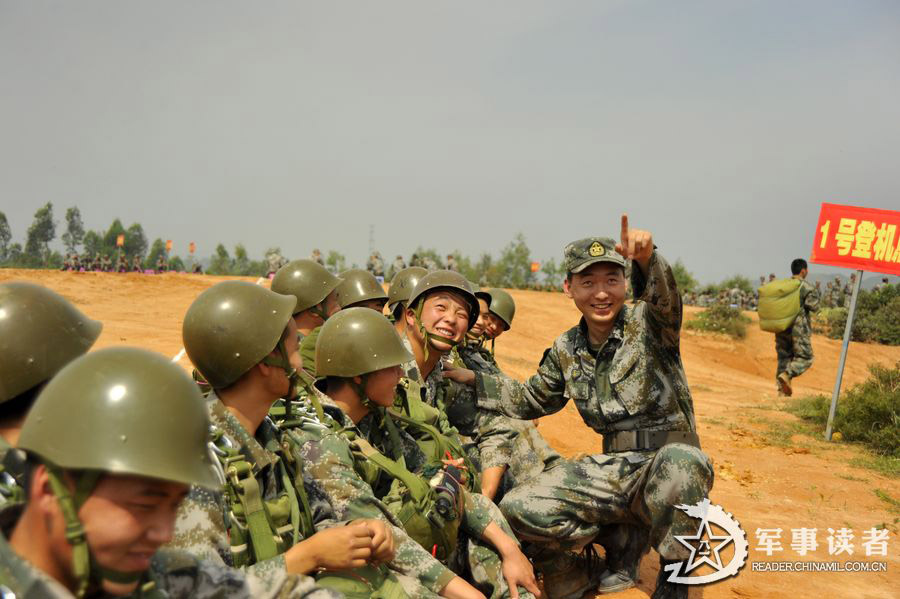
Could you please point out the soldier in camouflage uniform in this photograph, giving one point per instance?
(451, 263)
(41, 332)
(137, 264)
(375, 265)
(269, 515)
(794, 346)
(360, 289)
(622, 367)
(315, 290)
(398, 265)
(98, 511)
(511, 450)
(121, 263)
(317, 257)
(360, 354)
(162, 265)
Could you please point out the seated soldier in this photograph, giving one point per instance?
(359, 289)
(360, 355)
(41, 332)
(107, 466)
(268, 516)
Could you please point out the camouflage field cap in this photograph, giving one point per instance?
(580, 254)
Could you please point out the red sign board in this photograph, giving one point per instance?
(859, 238)
(192, 247)
(120, 240)
(535, 266)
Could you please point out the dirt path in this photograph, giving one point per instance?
(767, 475)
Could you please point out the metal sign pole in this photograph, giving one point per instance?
(844, 347)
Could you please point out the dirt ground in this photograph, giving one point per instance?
(769, 474)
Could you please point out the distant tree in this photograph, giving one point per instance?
(485, 270)
(515, 263)
(336, 261)
(739, 281)
(40, 234)
(241, 263)
(684, 278)
(220, 263)
(112, 235)
(176, 264)
(74, 234)
(135, 241)
(553, 273)
(5, 237)
(14, 254)
(158, 248)
(93, 243)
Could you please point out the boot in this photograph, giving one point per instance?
(665, 589)
(625, 544)
(784, 382)
(569, 576)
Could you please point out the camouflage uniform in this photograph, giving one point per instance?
(201, 527)
(11, 466)
(172, 574)
(794, 346)
(634, 382)
(472, 556)
(504, 441)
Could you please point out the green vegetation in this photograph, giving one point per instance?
(720, 318)
(877, 318)
(869, 413)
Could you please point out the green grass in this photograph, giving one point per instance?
(893, 504)
(721, 319)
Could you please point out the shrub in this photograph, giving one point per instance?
(877, 318)
(720, 318)
(868, 413)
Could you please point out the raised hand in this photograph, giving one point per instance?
(635, 244)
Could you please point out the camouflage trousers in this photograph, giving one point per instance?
(479, 563)
(570, 505)
(794, 348)
(531, 455)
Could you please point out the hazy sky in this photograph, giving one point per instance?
(719, 125)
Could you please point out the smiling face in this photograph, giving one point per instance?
(444, 313)
(599, 293)
(479, 327)
(494, 326)
(126, 519)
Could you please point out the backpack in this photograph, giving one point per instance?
(779, 305)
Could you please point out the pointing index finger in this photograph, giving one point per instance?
(624, 229)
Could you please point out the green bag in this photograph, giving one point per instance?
(779, 305)
(368, 582)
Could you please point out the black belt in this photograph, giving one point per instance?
(642, 440)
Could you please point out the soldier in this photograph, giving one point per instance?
(848, 288)
(359, 289)
(397, 266)
(162, 264)
(317, 257)
(451, 263)
(274, 260)
(105, 263)
(314, 287)
(415, 260)
(398, 294)
(97, 263)
(838, 296)
(98, 511)
(137, 264)
(121, 263)
(269, 517)
(622, 366)
(771, 277)
(430, 263)
(794, 346)
(40, 333)
(375, 265)
(511, 451)
(360, 354)
(884, 284)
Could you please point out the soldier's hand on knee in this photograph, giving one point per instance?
(519, 572)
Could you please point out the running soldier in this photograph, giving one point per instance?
(622, 367)
(794, 346)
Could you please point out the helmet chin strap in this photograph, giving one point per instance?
(319, 311)
(430, 336)
(84, 566)
(281, 361)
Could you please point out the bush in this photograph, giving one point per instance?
(868, 413)
(877, 318)
(720, 318)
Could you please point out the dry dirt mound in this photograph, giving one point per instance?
(767, 475)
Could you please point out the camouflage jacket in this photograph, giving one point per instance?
(172, 574)
(635, 381)
(11, 463)
(809, 300)
(202, 524)
(328, 458)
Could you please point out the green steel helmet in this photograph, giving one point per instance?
(402, 285)
(357, 341)
(307, 280)
(446, 279)
(123, 410)
(502, 304)
(231, 327)
(40, 332)
(358, 285)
